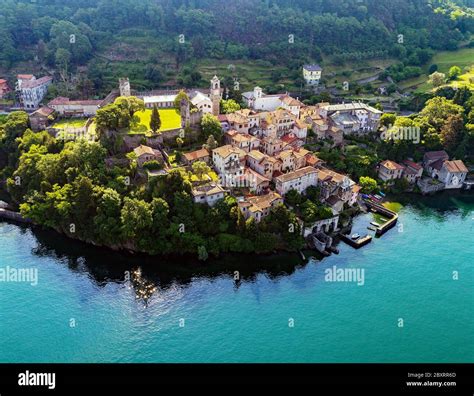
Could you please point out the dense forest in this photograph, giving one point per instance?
(169, 35)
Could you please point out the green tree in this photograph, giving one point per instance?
(182, 95)
(200, 168)
(229, 106)
(368, 185)
(210, 125)
(437, 79)
(155, 120)
(454, 72)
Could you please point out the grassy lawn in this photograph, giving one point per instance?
(169, 120)
(463, 58)
(70, 123)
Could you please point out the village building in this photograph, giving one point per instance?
(201, 101)
(312, 160)
(257, 100)
(75, 108)
(263, 164)
(242, 141)
(355, 117)
(205, 100)
(145, 154)
(453, 174)
(273, 146)
(412, 171)
(298, 180)
(225, 124)
(334, 184)
(258, 184)
(228, 161)
(31, 91)
(259, 207)
(41, 118)
(355, 192)
(291, 104)
(390, 170)
(209, 193)
(433, 162)
(198, 155)
(4, 88)
(312, 74)
(243, 121)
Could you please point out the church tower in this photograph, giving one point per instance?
(124, 87)
(215, 95)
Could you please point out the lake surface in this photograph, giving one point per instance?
(419, 275)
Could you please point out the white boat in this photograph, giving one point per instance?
(355, 236)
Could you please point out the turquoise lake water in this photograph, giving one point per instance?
(200, 314)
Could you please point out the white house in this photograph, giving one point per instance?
(208, 193)
(453, 174)
(228, 161)
(298, 180)
(390, 170)
(312, 74)
(352, 117)
(257, 100)
(201, 101)
(31, 90)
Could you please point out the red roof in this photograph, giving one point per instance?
(289, 139)
(43, 111)
(412, 164)
(25, 76)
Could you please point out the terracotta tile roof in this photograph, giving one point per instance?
(225, 151)
(456, 166)
(329, 175)
(208, 189)
(141, 150)
(412, 165)
(195, 155)
(391, 165)
(261, 202)
(43, 111)
(296, 174)
(24, 76)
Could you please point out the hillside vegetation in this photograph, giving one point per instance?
(160, 43)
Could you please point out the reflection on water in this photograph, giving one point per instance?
(149, 276)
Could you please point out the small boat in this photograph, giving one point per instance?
(371, 228)
(355, 236)
(378, 197)
(374, 223)
(382, 194)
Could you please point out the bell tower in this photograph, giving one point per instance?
(215, 95)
